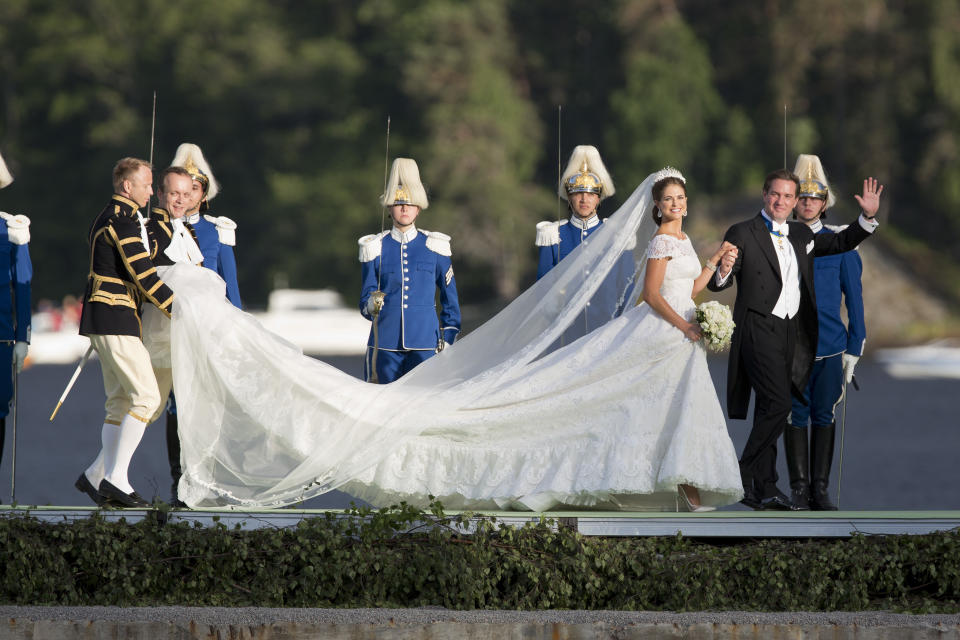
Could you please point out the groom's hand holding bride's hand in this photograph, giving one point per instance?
(730, 253)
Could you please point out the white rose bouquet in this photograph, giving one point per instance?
(716, 322)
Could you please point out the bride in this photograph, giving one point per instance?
(623, 418)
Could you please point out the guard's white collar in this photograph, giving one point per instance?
(589, 223)
(404, 237)
(193, 218)
(816, 225)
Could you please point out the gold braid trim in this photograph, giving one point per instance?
(128, 263)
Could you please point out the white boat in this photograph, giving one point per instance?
(56, 347)
(939, 359)
(317, 321)
(54, 338)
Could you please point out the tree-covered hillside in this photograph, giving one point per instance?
(290, 100)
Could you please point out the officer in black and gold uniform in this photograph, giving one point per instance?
(121, 278)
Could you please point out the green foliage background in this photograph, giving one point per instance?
(401, 557)
(289, 100)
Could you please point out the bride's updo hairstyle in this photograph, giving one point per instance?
(664, 178)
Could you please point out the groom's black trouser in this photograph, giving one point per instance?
(767, 353)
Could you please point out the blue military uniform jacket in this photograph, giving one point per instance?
(412, 267)
(837, 277)
(557, 239)
(216, 237)
(15, 291)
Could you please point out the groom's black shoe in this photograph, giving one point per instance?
(777, 502)
(130, 500)
(750, 499)
(83, 485)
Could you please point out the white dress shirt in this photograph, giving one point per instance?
(788, 303)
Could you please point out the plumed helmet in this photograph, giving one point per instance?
(404, 186)
(586, 173)
(190, 157)
(5, 176)
(813, 180)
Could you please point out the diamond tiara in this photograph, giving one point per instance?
(668, 172)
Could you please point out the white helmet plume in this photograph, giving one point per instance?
(190, 157)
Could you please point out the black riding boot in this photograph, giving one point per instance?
(821, 443)
(796, 449)
(173, 457)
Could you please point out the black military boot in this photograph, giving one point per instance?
(821, 443)
(796, 449)
(173, 457)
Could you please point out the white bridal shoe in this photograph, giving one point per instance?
(682, 496)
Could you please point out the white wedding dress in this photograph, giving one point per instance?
(614, 420)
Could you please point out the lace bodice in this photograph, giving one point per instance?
(682, 269)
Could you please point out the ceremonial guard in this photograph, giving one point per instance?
(402, 270)
(839, 347)
(14, 301)
(216, 235)
(583, 185)
(120, 279)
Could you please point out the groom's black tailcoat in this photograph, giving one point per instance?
(764, 361)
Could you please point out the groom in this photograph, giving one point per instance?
(775, 339)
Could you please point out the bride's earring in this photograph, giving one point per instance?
(684, 214)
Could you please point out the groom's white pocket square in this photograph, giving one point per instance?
(810, 247)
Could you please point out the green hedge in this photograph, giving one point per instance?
(403, 557)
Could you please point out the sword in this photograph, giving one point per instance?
(843, 428)
(13, 410)
(378, 294)
(559, 169)
(153, 127)
(76, 374)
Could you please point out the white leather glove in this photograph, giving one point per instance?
(373, 301)
(849, 362)
(20, 354)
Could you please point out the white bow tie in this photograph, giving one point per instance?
(182, 247)
(781, 227)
